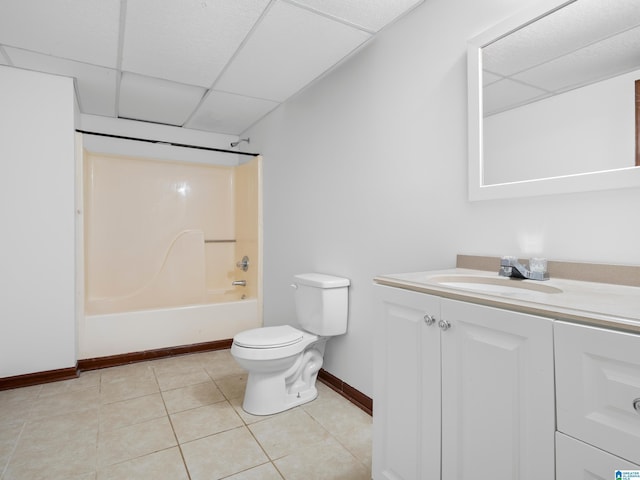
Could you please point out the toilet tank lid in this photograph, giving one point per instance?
(321, 280)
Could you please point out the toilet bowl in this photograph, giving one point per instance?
(282, 374)
(283, 361)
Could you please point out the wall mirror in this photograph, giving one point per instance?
(552, 100)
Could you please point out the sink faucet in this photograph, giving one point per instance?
(511, 267)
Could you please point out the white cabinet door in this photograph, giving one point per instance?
(497, 394)
(598, 381)
(576, 460)
(406, 417)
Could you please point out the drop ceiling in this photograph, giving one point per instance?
(213, 65)
(584, 42)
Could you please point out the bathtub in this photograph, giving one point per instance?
(135, 331)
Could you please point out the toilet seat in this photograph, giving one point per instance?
(269, 337)
(270, 343)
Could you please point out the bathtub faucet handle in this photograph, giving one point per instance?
(243, 264)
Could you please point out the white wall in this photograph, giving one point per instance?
(37, 210)
(366, 173)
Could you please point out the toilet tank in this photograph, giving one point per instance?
(322, 303)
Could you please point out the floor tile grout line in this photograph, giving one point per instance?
(100, 416)
(335, 438)
(348, 450)
(29, 419)
(331, 434)
(98, 429)
(325, 429)
(166, 414)
(121, 462)
(278, 470)
(13, 450)
(24, 425)
(251, 468)
(271, 460)
(230, 429)
(296, 408)
(226, 395)
(141, 456)
(173, 429)
(248, 427)
(32, 406)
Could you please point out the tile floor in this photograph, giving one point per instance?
(176, 419)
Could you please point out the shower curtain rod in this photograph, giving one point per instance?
(222, 150)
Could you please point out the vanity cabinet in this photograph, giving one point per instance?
(598, 399)
(576, 460)
(406, 421)
(461, 391)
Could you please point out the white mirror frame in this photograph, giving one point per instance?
(583, 182)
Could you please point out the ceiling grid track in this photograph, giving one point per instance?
(213, 66)
(235, 54)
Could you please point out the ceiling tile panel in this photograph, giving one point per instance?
(82, 30)
(228, 113)
(370, 15)
(488, 78)
(153, 60)
(602, 60)
(290, 47)
(96, 86)
(506, 94)
(156, 100)
(187, 41)
(562, 32)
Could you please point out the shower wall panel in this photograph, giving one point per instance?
(158, 233)
(247, 193)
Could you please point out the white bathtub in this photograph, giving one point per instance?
(118, 333)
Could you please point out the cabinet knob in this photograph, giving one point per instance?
(444, 325)
(636, 405)
(429, 319)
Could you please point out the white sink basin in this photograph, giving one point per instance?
(495, 285)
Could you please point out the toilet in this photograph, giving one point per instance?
(283, 361)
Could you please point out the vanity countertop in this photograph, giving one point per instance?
(599, 304)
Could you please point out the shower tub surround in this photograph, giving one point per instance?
(138, 331)
(162, 239)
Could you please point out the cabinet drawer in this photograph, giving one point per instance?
(597, 382)
(576, 460)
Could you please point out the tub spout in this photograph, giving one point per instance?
(241, 283)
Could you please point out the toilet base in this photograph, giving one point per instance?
(267, 393)
(262, 400)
